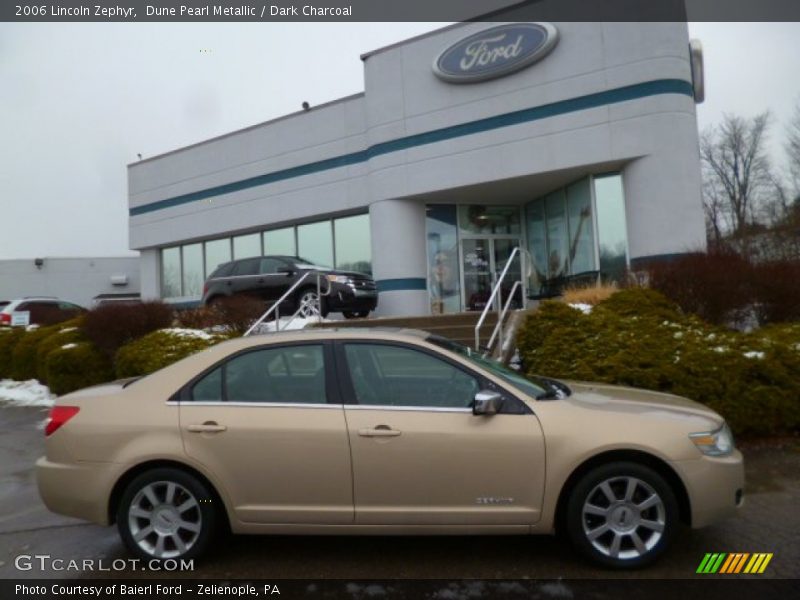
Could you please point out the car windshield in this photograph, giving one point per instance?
(537, 387)
(302, 263)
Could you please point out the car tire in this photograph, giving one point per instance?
(622, 515)
(310, 294)
(355, 314)
(167, 514)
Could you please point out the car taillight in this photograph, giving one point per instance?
(5, 318)
(205, 288)
(58, 416)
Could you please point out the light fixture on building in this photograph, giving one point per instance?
(39, 262)
(306, 106)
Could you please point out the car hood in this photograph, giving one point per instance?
(627, 400)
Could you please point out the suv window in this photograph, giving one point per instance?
(247, 267)
(222, 270)
(293, 374)
(271, 265)
(389, 375)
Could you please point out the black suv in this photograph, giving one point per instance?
(270, 277)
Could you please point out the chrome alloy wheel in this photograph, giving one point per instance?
(623, 518)
(165, 519)
(309, 304)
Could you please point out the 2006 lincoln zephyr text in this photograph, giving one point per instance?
(383, 432)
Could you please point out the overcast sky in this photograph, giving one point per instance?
(79, 101)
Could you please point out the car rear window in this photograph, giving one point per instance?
(247, 267)
(223, 270)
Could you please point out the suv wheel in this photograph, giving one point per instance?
(308, 303)
(622, 515)
(166, 514)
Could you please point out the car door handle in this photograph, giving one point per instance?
(379, 431)
(207, 427)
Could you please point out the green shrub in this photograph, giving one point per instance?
(23, 358)
(66, 333)
(76, 367)
(159, 349)
(638, 338)
(9, 337)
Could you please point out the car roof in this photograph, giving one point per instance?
(314, 333)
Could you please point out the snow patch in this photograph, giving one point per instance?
(25, 393)
(188, 333)
(754, 354)
(69, 346)
(583, 307)
(290, 323)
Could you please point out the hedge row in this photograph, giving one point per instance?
(639, 338)
(62, 357)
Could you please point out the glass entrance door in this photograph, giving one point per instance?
(482, 262)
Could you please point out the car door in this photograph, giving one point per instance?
(420, 457)
(268, 427)
(246, 278)
(274, 281)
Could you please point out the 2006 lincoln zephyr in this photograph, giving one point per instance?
(383, 432)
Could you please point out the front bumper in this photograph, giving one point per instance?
(343, 297)
(715, 486)
(80, 490)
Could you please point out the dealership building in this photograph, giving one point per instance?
(574, 141)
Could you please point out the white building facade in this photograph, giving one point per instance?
(575, 141)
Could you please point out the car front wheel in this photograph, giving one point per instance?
(166, 514)
(622, 515)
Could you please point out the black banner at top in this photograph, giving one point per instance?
(396, 10)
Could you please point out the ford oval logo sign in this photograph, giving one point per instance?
(495, 52)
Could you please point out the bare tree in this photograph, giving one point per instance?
(736, 170)
(793, 151)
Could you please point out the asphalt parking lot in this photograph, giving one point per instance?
(769, 522)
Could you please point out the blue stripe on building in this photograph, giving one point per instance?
(623, 94)
(397, 285)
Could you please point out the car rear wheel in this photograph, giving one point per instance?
(166, 514)
(622, 515)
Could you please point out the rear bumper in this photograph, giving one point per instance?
(715, 486)
(80, 490)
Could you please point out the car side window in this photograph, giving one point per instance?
(389, 375)
(247, 267)
(270, 266)
(292, 374)
(209, 388)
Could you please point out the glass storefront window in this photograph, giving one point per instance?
(353, 245)
(443, 272)
(581, 228)
(315, 243)
(496, 220)
(246, 246)
(537, 241)
(611, 225)
(171, 272)
(557, 238)
(217, 252)
(280, 242)
(193, 270)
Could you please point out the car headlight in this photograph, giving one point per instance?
(338, 279)
(714, 443)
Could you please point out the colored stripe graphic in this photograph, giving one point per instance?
(734, 563)
(607, 97)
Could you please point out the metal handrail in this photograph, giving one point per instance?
(489, 303)
(276, 306)
(498, 329)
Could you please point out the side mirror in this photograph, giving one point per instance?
(486, 402)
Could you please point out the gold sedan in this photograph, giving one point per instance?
(383, 432)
